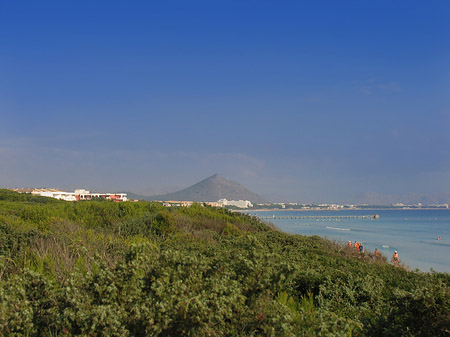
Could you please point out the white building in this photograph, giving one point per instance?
(54, 193)
(237, 203)
(79, 194)
(82, 194)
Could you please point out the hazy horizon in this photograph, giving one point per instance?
(306, 102)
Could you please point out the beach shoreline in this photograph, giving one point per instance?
(414, 233)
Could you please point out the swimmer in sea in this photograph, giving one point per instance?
(394, 259)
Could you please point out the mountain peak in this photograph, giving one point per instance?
(212, 188)
(216, 178)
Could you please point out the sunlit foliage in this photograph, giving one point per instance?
(99, 268)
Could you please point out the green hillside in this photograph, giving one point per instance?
(99, 268)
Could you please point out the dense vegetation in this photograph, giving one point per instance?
(100, 268)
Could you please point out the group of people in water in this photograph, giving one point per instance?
(359, 247)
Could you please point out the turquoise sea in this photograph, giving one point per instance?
(412, 232)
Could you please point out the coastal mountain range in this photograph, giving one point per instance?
(217, 187)
(373, 198)
(210, 189)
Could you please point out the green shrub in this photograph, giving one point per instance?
(101, 268)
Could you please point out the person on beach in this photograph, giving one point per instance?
(350, 244)
(377, 252)
(361, 248)
(394, 259)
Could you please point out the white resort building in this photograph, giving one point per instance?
(77, 195)
(237, 203)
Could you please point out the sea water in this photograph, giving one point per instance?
(412, 232)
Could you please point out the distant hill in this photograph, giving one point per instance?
(212, 189)
(373, 198)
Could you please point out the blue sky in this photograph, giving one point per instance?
(304, 101)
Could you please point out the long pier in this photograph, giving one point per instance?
(324, 217)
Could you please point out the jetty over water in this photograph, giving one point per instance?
(322, 217)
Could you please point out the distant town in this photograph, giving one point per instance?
(85, 195)
(314, 207)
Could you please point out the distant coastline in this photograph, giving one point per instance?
(343, 209)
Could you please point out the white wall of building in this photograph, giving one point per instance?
(237, 203)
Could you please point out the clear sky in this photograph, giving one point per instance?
(296, 100)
